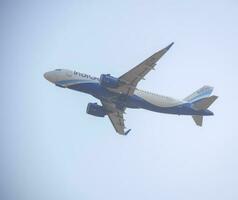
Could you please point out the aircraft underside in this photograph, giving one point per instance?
(134, 101)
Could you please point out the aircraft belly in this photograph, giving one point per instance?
(178, 108)
(154, 103)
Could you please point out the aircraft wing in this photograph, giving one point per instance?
(116, 117)
(130, 79)
(118, 122)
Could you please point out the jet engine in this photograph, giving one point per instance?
(96, 110)
(106, 80)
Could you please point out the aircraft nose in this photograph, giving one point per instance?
(46, 75)
(50, 76)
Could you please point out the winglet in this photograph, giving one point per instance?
(127, 131)
(169, 46)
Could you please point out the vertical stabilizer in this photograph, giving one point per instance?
(203, 92)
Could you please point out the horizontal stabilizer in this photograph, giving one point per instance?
(198, 119)
(204, 103)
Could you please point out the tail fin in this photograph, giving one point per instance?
(201, 100)
(205, 91)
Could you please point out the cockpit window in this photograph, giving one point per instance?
(58, 69)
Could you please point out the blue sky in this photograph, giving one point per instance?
(51, 149)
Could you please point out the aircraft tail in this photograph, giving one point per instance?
(205, 91)
(201, 100)
(202, 104)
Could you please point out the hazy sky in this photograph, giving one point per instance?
(51, 149)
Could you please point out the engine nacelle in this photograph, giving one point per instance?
(96, 110)
(106, 80)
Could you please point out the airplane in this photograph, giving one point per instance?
(117, 94)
